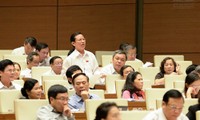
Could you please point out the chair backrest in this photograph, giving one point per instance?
(170, 79)
(19, 82)
(119, 84)
(198, 115)
(106, 59)
(4, 52)
(184, 65)
(135, 64)
(149, 73)
(95, 79)
(159, 58)
(7, 98)
(187, 104)
(91, 105)
(138, 114)
(49, 83)
(22, 64)
(98, 55)
(59, 52)
(26, 109)
(52, 77)
(37, 72)
(15, 58)
(179, 84)
(146, 84)
(110, 82)
(151, 96)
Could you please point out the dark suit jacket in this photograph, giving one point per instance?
(192, 111)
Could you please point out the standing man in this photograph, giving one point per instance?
(79, 56)
(58, 108)
(29, 46)
(172, 106)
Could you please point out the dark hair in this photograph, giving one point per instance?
(119, 52)
(15, 63)
(163, 64)
(78, 74)
(30, 40)
(56, 89)
(172, 94)
(129, 83)
(29, 58)
(70, 71)
(28, 86)
(103, 110)
(122, 46)
(123, 68)
(197, 69)
(72, 39)
(190, 78)
(40, 46)
(190, 68)
(53, 59)
(4, 63)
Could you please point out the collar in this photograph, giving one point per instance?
(5, 87)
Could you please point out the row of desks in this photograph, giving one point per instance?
(82, 115)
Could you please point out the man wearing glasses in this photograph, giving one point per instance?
(58, 105)
(172, 105)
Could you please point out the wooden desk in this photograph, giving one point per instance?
(158, 86)
(140, 105)
(9, 116)
(100, 86)
(80, 115)
(110, 95)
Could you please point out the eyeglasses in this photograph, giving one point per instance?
(173, 107)
(62, 99)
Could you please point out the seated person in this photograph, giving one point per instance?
(58, 108)
(133, 87)
(131, 52)
(17, 70)
(7, 73)
(81, 86)
(172, 106)
(71, 71)
(56, 63)
(118, 61)
(31, 89)
(168, 67)
(192, 85)
(125, 70)
(108, 111)
(29, 46)
(193, 109)
(43, 51)
(32, 60)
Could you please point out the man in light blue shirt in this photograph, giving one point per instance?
(81, 86)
